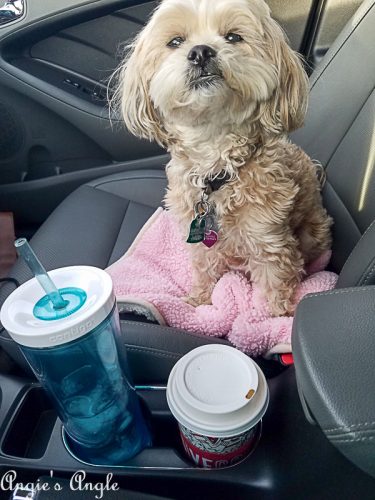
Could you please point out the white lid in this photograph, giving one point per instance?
(17, 316)
(207, 391)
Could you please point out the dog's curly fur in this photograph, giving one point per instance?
(270, 213)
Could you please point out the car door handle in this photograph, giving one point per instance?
(23, 493)
(11, 10)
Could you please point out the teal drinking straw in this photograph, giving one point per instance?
(26, 252)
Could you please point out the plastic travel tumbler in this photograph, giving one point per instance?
(73, 353)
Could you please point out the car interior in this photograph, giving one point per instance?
(81, 188)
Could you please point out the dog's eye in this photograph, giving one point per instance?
(233, 38)
(175, 42)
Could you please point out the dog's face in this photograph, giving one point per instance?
(205, 61)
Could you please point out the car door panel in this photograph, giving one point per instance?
(92, 48)
(331, 17)
(43, 86)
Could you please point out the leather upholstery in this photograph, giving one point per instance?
(333, 333)
(343, 77)
(339, 130)
(153, 350)
(334, 351)
(96, 224)
(359, 268)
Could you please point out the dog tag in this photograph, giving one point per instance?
(211, 222)
(210, 238)
(197, 230)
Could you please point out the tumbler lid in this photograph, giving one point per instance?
(18, 318)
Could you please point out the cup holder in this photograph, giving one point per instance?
(166, 452)
(30, 429)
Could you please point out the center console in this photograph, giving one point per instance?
(292, 457)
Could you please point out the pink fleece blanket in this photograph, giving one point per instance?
(155, 274)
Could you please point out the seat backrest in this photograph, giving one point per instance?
(339, 132)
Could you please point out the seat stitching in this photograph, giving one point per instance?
(156, 352)
(170, 329)
(363, 235)
(130, 179)
(354, 28)
(343, 206)
(368, 275)
(338, 292)
(352, 426)
(108, 193)
(330, 185)
(352, 433)
(118, 232)
(352, 440)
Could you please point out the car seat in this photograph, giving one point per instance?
(97, 223)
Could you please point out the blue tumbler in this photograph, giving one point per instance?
(73, 352)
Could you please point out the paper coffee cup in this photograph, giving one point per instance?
(218, 395)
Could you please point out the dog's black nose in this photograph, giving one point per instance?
(200, 54)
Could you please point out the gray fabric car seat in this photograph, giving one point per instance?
(97, 223)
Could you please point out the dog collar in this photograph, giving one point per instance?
(216, 183)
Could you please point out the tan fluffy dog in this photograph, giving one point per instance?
(215, 82)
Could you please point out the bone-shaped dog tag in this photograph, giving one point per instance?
(197, 230)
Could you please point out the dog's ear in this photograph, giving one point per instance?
(133, 96)
(290, 99)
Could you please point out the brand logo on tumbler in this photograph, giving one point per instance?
(72, 333)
